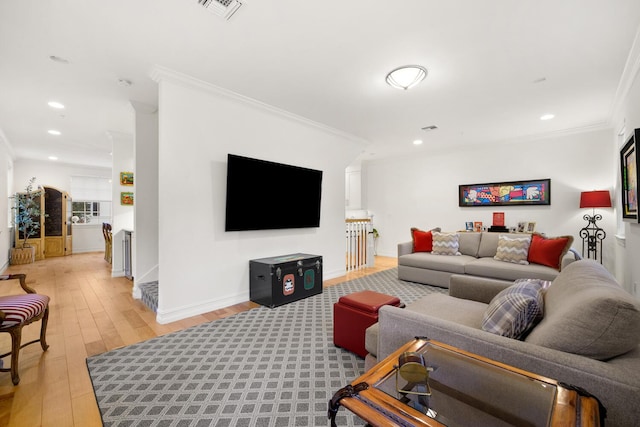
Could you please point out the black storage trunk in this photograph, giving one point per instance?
(283, 279)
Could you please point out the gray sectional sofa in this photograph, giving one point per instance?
(477, 251)
(588, 336)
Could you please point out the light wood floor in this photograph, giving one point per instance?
(90, 312)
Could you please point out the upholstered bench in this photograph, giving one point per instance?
(353, 314)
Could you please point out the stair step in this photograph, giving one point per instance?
(150, 295)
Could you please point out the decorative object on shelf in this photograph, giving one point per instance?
(511, 193)
(522, 227)
(531, 226)
(126, 178)
(629, 160)
(126, 198)
(477, 226)
(498, 219)
(498, 223)
(27, 220)
(592, 235)
(468, 226)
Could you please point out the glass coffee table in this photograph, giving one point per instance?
(428, 383)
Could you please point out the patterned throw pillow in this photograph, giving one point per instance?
(513, 249)
(445, 243)
(515, 310)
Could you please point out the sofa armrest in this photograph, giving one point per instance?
(405, 248)
(571, 256)
(476, 288)
(615, 383)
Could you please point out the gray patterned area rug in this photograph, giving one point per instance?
(264, 367)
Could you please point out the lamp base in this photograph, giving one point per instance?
(592, 237)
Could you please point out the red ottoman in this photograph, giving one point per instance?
(354, 313)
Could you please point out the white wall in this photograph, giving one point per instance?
(122, 149)
(52, 174)
(422, 190)
(629, 118)
(203, 267)
(145, 250)
(6, 191)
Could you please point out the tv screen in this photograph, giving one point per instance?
(263, 195)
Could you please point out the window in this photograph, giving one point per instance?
(88, 212)
(91, 200)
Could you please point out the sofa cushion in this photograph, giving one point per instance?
(586, 312)
(446, 243)
(469, 243)
(461, 311)
(549, 251)
(489, 267)
(422, 240)
(488, 244)
(513, 249)
(515, 310)
(431, 261)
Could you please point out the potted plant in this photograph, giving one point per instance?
(27, 214)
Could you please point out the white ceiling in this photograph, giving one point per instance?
(323, 60)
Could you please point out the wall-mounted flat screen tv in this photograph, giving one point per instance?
(264, 195)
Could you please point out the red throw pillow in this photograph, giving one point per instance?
(549, 251)
(422, 240)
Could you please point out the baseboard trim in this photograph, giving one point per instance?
(168, 316)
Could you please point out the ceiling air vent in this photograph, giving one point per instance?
(224, 8)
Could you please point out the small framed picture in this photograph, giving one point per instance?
(126, 198)
(531, 227)
(522, 227)
(477, 225)
(126, 178)
(468, 225)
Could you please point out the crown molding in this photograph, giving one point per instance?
(159, 73)
(629, 74)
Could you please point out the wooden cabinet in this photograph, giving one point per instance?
(57, 223)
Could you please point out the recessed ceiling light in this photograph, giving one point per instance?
(547, 117)
(54, 132)
(417, 142)
(53, 158)
(406, 76)
(55, 104)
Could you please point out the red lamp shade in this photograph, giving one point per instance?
(595, 199)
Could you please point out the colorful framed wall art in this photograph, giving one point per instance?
(629, 160)
(510, 193)
(126, 178)
(126, 198)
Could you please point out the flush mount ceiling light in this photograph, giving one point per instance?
(54, 132)
(547, 117)
(55, 104)
(417, 142)
(406, 76)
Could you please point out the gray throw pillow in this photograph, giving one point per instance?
(515, 310)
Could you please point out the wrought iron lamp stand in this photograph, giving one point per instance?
(592, 237)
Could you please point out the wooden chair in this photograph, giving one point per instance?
(17, 311)
(108, 241)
